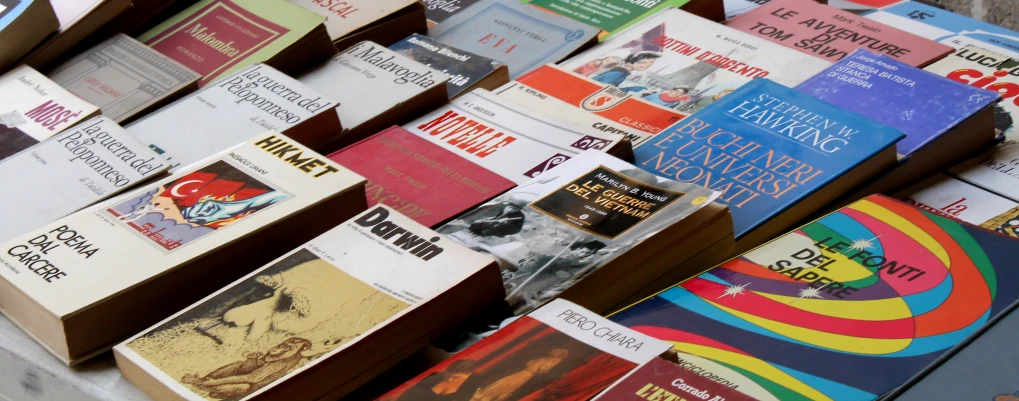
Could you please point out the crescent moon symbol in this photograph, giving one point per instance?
(173, 191)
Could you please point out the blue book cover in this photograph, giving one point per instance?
(519, 35)
(947, 27)
(766, 147)
(921, 104)
(10, 10)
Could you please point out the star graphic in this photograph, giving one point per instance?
(809, 292)
(862, 244)
(734, 290)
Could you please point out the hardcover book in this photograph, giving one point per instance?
(401, 89)
(661, 379)
(89, 280)
(69, 171)
(466, 71)
(775, 154)
(419, 179)
(334, 308)
(515, 34)
(996, 72)
(508, 139)
(23, 25)
(33, 108)
(78, 19)
(947, 196)
(945, 26)
(125, 78)
(613, 16)
(848, 307)
(831, 34)
(565, 232)
(236, 109)
(216, 38)
(559, 352)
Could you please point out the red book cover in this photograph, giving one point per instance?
(664, 380)
(419, 179)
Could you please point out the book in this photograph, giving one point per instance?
(560, 351)
(775, 154)
(735, 8)
(945, 121)
(515, 34)
(78, 19)
(349, 17)
(335, 307)
(509, 139)
(87, 281)
(985, 69)
(685, 62)
(439, 10)
(946, 27)
(831, 34)
(634, 112)
(948, 196)
(860, 6)
(401, 89)
(217, 38)
(23, 25)
(614, 16)
(125, 78)
(466, 71)
(847, 307)
(72, 170)
(419, 179)
(661, 379)
(579, 231)
(33, 108)
(236, 109)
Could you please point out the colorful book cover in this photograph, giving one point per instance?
(440, 10)
(946, 27)
(463, 68)
(664, 380)
(34, 108)
(985, 69)
(848, 307)
(10, 10)
(216, 38)
(506, 138)
(948, 196)
(610, 16)
(554, 230)
(513, 33)
(560, 352)
(766, 148)
(921, 104)
(419, 179)
(344, 17)
(685, 62)
(830, 33)
(320, 300)
(123, 77)
(602, 99)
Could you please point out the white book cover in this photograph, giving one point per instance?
(947, 196)
(321, 299)
(506, 138)
(90, 255)
(684, 62)
(33, 108)
(996, 170)
(227, 112)
(346, 16)
(74, 169)
(368, 79)
(599, 332)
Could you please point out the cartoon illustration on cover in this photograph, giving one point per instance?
(265, 327)
(196, 205)
(1006, 223)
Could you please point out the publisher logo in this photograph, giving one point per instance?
(590, 142)
(604, 99)
(546, 165)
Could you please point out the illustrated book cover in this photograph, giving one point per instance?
(662, 379)
(945, 26)
(847, 307)
(996, 72)
(948, 196)
(466, 71)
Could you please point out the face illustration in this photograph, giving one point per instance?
(610, 61)
(643, 64)
(677, 92)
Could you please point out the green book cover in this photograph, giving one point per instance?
(610, 15)
(218, 37)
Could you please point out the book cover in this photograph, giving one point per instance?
(216, 38)
(735, 8)
(829, 33)
(946, 27)
(994, 171)
(343, 17)
(78, 20)
(661, 379)
(320, 300)
(33, 108)
(440, 10)
(505, 138)
(848, 307)
(233, 110)
(985, 69)
(635, 112)
(765, 147)
(10, 10)
(948, 196)
(417, 178)
(69, 171)
(685, 62)
(559, 352)
(464, 69)
(552, 231)
(513, 33)
(123, 77)
(921, 104)
(610, 16)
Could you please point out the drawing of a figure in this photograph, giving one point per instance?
(257, 370)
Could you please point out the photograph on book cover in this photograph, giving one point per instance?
(264, 327)
(526, 360)
(195, 205)
(12, 139)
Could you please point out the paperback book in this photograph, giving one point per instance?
(440, 10)
(945, 26)
(848, 307)
(614, 16)
(947, 196)
(662, 379)
(344, 17)
(78, 20)
(466, 71)
(23, 25)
